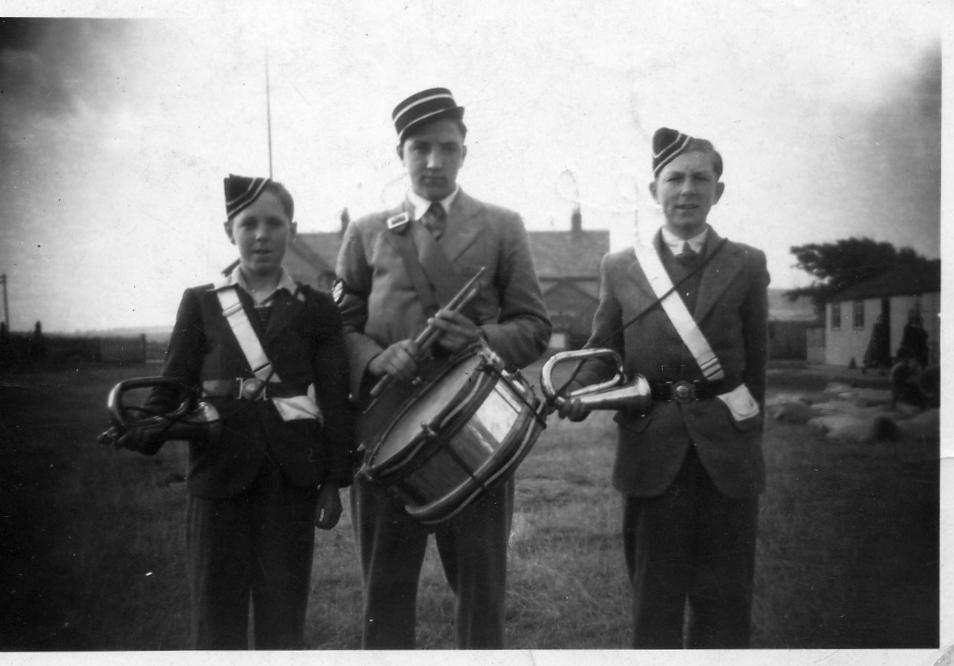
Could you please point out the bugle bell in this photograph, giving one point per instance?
(611, 394)
(192, 420)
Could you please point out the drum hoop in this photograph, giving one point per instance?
(450, 417)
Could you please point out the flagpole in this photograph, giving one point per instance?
(268, 120)
(268, 111)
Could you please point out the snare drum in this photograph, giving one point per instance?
(455, 437)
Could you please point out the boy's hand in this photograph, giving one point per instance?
(329, 506)
(397, 361)
(145, 438)
(457, 331)
(573, 409)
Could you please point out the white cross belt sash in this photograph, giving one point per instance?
(675, 308)
(290, 409)
(740, 401)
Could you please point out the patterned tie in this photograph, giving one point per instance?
(687, 256)
(435, 219)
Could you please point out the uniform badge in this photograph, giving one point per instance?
(397, 223)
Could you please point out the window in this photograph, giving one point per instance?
(835, 316)
(858, 314)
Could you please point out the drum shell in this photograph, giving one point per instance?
(479, 436)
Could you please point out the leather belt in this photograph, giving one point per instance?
(251, 388)
(685, 390)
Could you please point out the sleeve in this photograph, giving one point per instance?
(330, 366)
(184, 355)
(606, 332)
(755, 328)
(522, 331)
(353, 286)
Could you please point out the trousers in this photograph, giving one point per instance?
(691, 549)
(473, 552)
(254, 549)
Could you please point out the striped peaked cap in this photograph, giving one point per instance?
(423, 107)
(667, 144)
(241, 192)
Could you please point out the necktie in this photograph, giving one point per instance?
(435, 219)
(687, 256)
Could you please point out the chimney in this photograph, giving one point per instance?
(345, 220)
(576, 220)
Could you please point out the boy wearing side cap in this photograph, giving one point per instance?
(269, 355)
(694, 306)
(383, 310)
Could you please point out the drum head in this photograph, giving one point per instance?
(427, 407)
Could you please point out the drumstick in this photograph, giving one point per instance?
(426, 338)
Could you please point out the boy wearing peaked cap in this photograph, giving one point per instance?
(269, 355)
(383, 311)
(690, 469)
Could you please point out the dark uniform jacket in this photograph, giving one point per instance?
(304, 342)
(731, 311)
(379, 303)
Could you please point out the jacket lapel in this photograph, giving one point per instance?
(717, 274)
(285, 307)
(464, 225)
(438, 269)
(714, 280)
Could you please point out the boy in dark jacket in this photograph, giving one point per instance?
(269, 356)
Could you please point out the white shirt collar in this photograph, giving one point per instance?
(697, 242)
(421, 204)
(237, 277)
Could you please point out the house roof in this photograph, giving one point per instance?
(589, 288)
(921, 278)
(316, 252)
(568, 254)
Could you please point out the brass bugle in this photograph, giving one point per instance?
(611, 394)
(191, 420)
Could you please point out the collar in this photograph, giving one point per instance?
(420, 204)
(237, 277)
(697, 242)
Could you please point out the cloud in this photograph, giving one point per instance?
(30, 85)
(57, 68)
(31, 65)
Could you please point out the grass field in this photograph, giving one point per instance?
(92, 539)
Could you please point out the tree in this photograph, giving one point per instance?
(843, 263)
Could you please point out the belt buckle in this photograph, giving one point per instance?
(683, 391)
(251, 388)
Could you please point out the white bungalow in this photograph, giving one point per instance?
(850, 315)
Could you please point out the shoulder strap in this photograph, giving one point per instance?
(404, 244)
(244, 333)
(290, 408)
(678, 313)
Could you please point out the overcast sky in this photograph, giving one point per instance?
(115, 134)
